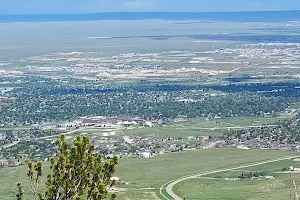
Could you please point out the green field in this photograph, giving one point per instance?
(277, 189)
(8, 179)
(270, 169)
(231, 122)
(215, 187)
(296, 105)
(165, 132)
(145, 176)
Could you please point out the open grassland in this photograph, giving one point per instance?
(214, 186)
(273, 169)
(276, 189)
(8, 179)
(296, 105)
(232, 122)
(164, 132)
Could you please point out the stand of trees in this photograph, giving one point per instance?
(251, 175)
(154, 105)
(37, 99)
(32, 149)
(288, 131)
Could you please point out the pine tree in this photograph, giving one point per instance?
(76, 173)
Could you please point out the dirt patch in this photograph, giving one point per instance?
(153, 195)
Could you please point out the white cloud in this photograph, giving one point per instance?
(138, 4)
(132, 3)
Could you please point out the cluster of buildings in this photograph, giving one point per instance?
(262, 144)
(110, 121)
(146, 147)
(7, 163)
(125, 120)
(276, 54)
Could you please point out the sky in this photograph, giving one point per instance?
(96, 6)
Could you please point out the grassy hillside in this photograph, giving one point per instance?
(277, 189)
(215, 187)
(145, 176)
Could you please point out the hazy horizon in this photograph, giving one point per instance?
(237, 16)
(96, 6)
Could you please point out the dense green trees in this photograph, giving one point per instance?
(40, 149)
(287, 131)
(37, 99)
(76, 173)
(152, 105)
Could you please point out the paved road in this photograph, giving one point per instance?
(56, 136)
(171, 184)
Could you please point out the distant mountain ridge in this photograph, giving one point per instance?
(255, 16)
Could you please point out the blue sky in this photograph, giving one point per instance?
(94, 6)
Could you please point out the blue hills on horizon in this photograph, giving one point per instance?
(250, 16)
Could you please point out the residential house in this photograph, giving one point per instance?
(295, 148)
(3, 163)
